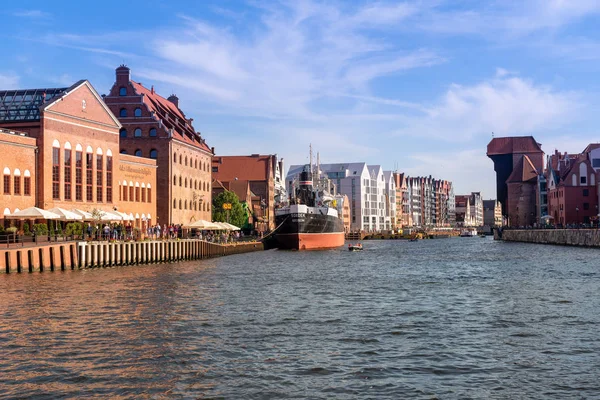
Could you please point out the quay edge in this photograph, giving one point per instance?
(80, 255)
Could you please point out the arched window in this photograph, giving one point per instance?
(186, 161)
(153, 154)
(27, 183)
(180, 159)
(55, 170)
(6, 180)
(175, 158)
(185, 182)
(138, 153)
(180, 204)
(180, 181)
(137, 112)
(123, 151)
(123, 112)
(195, 184)
(153, 132)
(196, 163)
(185, 205)
(137, 132)
(123, 132)
(174, 180)
(122, 91)
(174, 203)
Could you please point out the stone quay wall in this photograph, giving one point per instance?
(80, 255)
(566, 237)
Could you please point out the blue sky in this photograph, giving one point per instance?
(417, 86)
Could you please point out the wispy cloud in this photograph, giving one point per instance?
(9, 81)
(34, 14)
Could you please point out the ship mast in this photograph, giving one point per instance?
(311, 164)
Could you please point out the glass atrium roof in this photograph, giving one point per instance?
(24, 105)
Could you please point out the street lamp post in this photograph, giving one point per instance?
(577, 211)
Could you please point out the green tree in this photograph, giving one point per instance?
(237, 215)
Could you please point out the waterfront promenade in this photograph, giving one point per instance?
(565, 237)
(80, 254)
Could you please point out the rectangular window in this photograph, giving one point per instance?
(137, 194)
(56, 173)
(586, 192)
(143, 195)
(583, 180)
(99, 168)
(78, 176)
(6, 184)
(586, 206)
(596, 162)
(27, 186)
(130, 193)
(109, 172)
(89, 174)
(124, 193)
(17, 185)
(67, 174)
(215, 169)
(149, 195)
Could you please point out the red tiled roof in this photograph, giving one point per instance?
(514, 144)
(250, 168)
(171, 116)
(523, 172)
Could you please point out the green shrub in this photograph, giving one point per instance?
(74, 228)
(11, 230)
(40, 229)
(1, 229)
(26, 230)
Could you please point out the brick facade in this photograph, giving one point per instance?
(18, 166)
(155, 127)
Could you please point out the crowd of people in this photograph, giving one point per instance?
(120, 231)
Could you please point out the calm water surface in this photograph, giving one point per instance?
(447, 319)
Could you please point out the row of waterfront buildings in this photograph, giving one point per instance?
(131, 151)
(563, 190)
(381, 200)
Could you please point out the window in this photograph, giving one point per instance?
(174, 203)
(67, 174)
(123, 112)
(78, 176)
(123, 133)
(185, 182)
(596, 162)
(17, 184)
(149, 195)
(185, 205)
(6, 183)
(137, 132)
(153, 154)
(583, 180)
(196, 164)
(586, 206)
(180, 159)
(109, 173)
(186, 161)
(137, 193)
(89, 158)
(56, 173)
(125, 192)
(27, 185)
(137, 112)
(180, 182)
(153, 132)
(215, 169)
(586, 192)
(123, 151)
(99, 168)
(138, 153)
(143, 194)
(180, 204)
(131, 191)
(174, 180)
(175, 158)
(122, 91)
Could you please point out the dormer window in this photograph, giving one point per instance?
(122, 91)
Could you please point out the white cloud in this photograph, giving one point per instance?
(506, 105)
(34, 14)
(9, 81)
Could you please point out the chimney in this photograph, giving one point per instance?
(174, 99)
(123, 75)
(152, 89)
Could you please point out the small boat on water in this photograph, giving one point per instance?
(468, 232)
(355, 247)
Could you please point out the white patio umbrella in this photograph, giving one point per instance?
(66, 215)
(86, 215)
(110, 216)
(124, 216)
(231, 227)
(204, 225)
(33, 213)
(223, 226)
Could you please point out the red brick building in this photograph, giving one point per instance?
(573, 186)
(263, 172)
(71, 158)
(518, 161)
(155, 127)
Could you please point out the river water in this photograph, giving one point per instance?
(448, 319)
